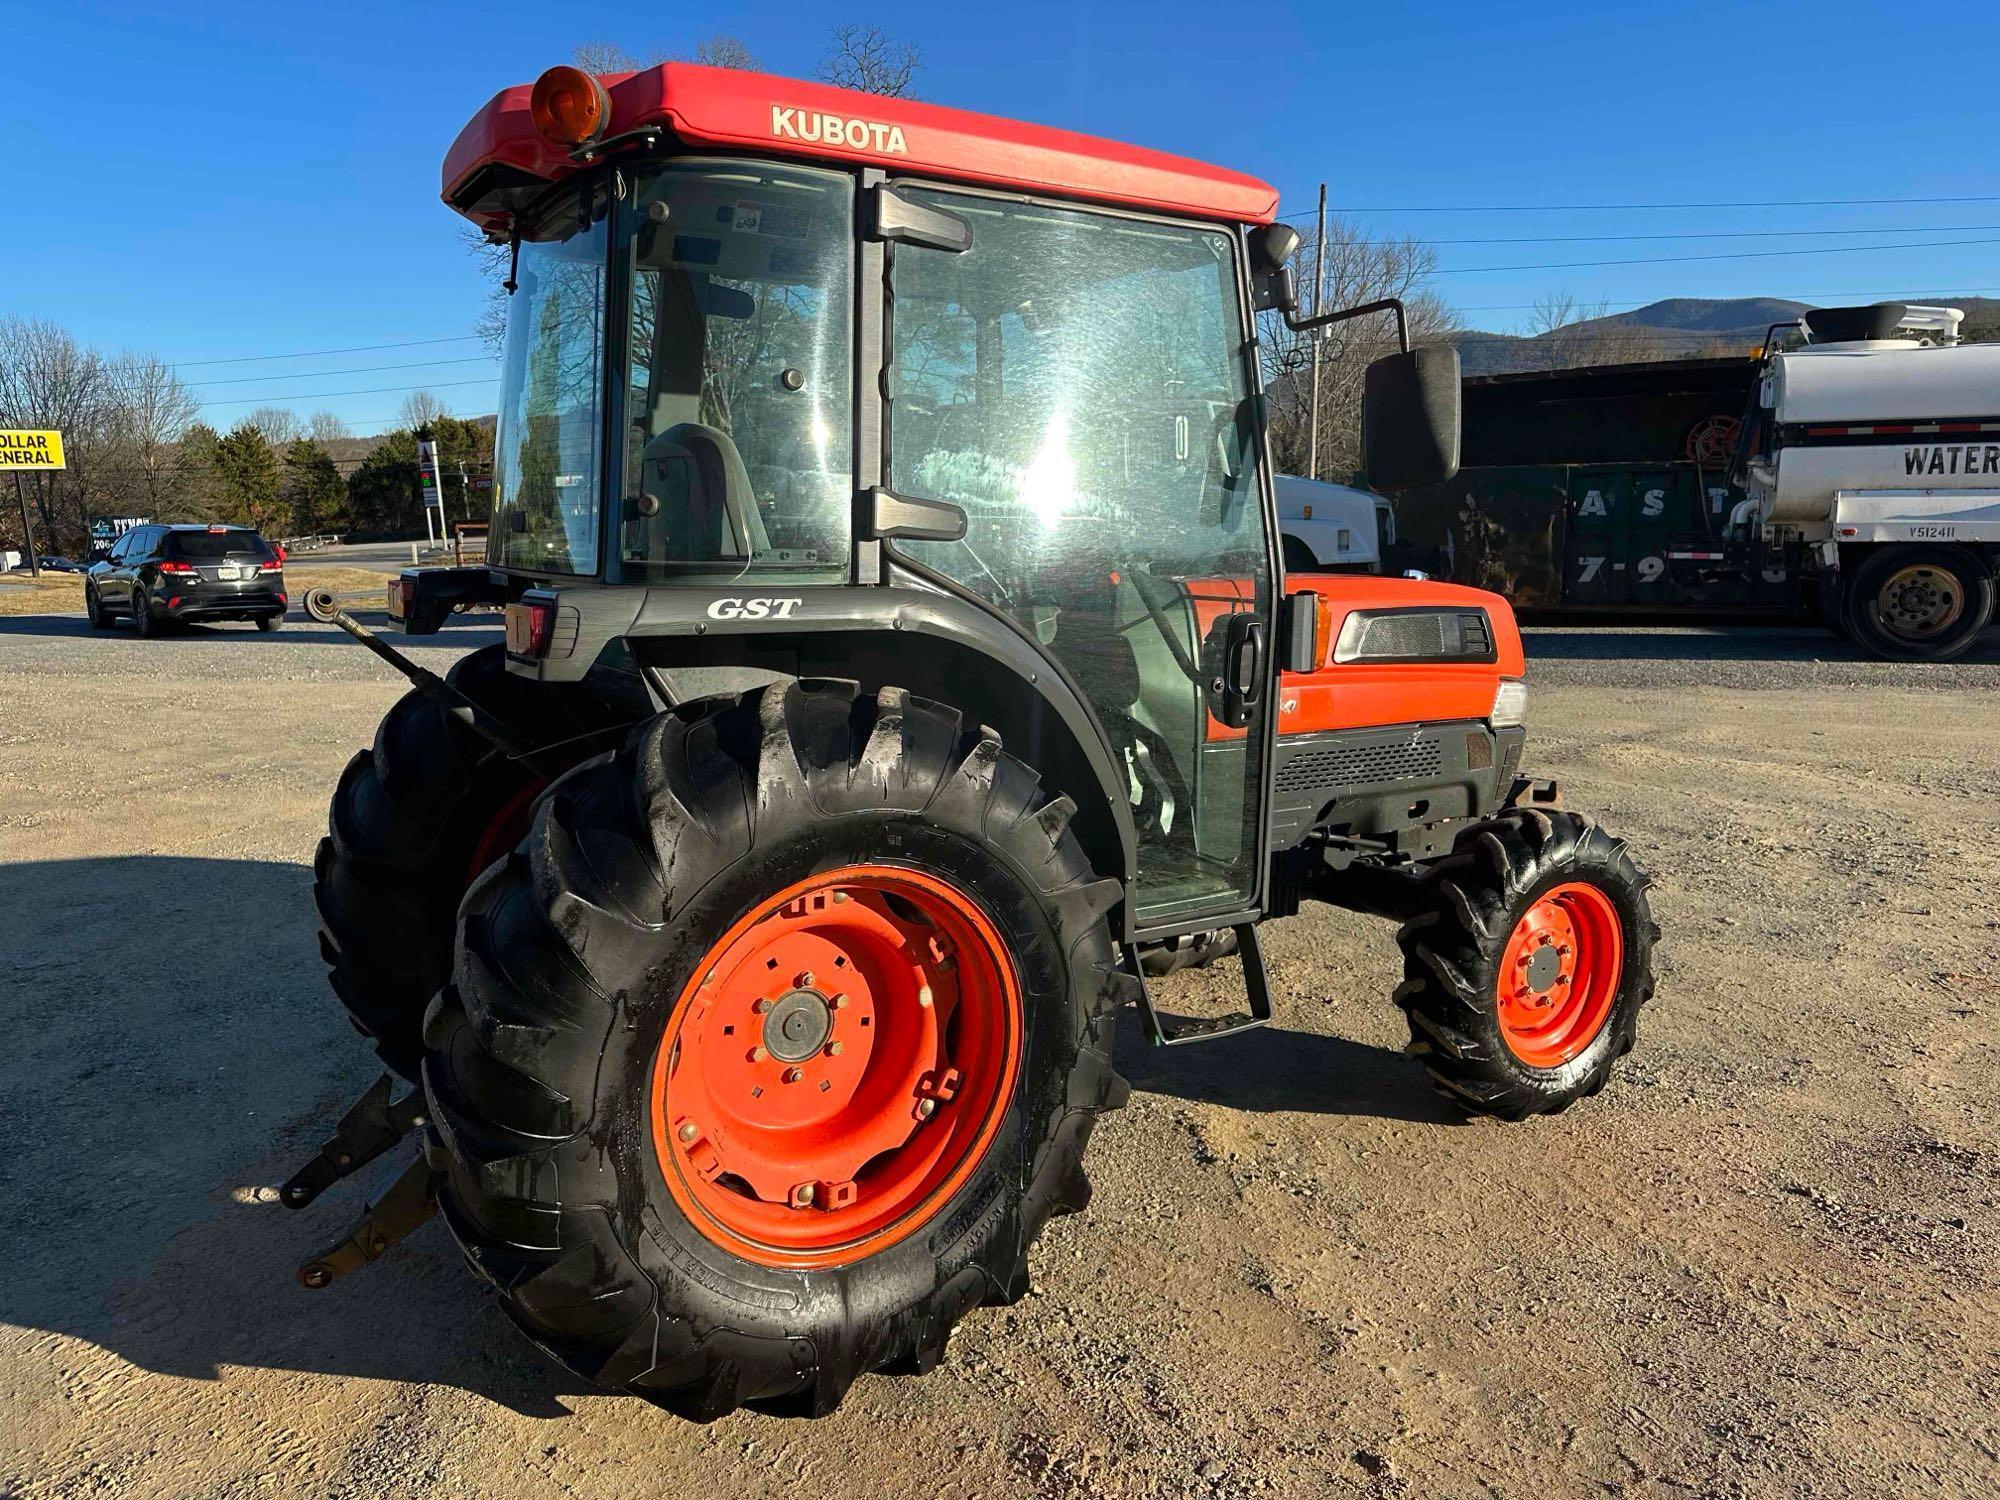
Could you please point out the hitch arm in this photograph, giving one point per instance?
(411, 1200)
(435, 688)
(371, 1126)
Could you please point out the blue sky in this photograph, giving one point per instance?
(206, 181)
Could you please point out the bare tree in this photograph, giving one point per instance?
(47, 379)
(1567, 333)
(277, 424)
(724, 51)
(719, 51)
(324, 427)
(865, 58)
(419, 409)
(150, 413)
(1358, 269)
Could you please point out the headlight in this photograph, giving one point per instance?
(1510, 703)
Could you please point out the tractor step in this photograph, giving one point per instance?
(385, 1223)
(371, 1126)
(1176, 1031)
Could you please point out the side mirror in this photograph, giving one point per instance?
(1410, 418)
(1272, 247)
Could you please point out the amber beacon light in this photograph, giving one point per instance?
(569, 107)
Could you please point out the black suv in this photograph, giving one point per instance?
(161, 575)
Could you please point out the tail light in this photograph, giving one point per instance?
(279, 549)
(180, 569)
(531, 625)
(273, 567)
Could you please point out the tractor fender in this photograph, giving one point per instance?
(691, 640)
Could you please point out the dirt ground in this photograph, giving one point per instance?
(1763, 1262)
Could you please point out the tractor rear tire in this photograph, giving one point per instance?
(603, 1087)
(1524, 978)
(413, 820)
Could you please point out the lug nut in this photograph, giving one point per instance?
(758, 1054)
(834, 1049)
(803, 1195)
(924, 997)
(840, 898)
(839, 1002)
(760, 1006)
(926, 1108)
(688, 1131)
(793, 1075)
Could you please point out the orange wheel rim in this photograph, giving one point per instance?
(837, 1066)
(1559, 975)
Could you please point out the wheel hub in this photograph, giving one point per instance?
(797, 1024)
(1544, 968)
(1920, 601)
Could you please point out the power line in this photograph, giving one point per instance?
(1868, 291)
(1590, 208)
(1706, 234)
(436, 385)
(247, 359)
(422, 364)
(1664, 260)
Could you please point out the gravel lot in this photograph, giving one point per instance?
(1763, 1262)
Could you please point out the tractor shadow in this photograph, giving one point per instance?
(1274, 1071)
(173, 1049)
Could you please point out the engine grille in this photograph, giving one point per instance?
(1361, 765)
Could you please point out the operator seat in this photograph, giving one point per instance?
(707, 509)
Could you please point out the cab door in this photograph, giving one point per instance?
(1079, 384)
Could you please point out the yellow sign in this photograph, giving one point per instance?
(30, 450)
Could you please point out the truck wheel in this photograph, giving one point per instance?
(1917, 603)
(774, 1047)
(412, 820)
(1523, 981)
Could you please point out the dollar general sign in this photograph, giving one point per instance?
(31, 450)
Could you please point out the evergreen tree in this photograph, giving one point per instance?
(314, 492)
(249, 474)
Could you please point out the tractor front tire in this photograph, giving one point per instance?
(1524, 977)
(773, 1048)
(413, 819)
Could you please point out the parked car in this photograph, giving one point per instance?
(157, 576)
(59, 565)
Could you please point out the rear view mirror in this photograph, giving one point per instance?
(1410, 418)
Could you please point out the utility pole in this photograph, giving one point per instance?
(27, 526)
(1319, 337)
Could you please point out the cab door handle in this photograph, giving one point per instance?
(1242, 669)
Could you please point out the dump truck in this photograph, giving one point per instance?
(1873, 449)
(898, 657)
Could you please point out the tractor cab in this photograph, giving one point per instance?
(802, 364)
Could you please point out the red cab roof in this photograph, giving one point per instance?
(499, 156)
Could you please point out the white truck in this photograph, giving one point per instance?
(1876, 445)
(1328, 528)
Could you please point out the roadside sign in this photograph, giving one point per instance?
(31, 449)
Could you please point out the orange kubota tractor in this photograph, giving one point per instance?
(899, 670)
